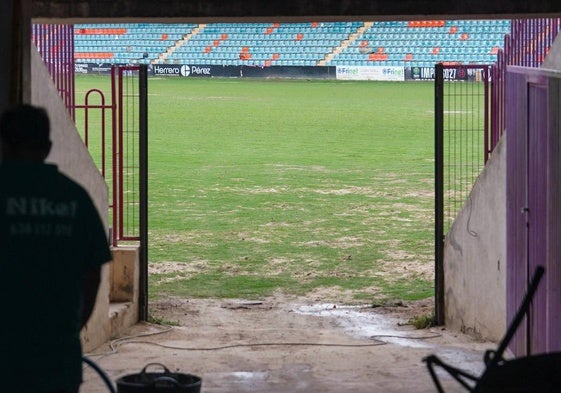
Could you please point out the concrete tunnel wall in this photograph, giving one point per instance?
(475, 256)
(70, 155)
(116, 306)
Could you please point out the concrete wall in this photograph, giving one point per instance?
(73, 159)
(553, 59)
(124, 289)
(117, 301)
(475, 256)
(68, 151)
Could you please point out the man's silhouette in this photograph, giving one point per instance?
(52, 246)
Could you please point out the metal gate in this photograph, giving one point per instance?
(461, 149)
(115, 133)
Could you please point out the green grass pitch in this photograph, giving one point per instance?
(296, 186)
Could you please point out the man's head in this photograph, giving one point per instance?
(25, 134)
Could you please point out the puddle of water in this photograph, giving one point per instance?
(243, 376)
(358, 323)
(238, 381)
(365, 324)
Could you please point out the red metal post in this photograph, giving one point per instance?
(72, 78)
(103, 106)
(486, 117)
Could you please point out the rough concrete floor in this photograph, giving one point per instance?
(283, 346)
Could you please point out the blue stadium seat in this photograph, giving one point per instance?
(395, 37)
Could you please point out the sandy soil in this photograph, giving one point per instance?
(288, 345)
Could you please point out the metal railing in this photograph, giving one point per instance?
(527, 45)
(55, 43)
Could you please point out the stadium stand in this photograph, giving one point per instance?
(126, 43)
(392, 43)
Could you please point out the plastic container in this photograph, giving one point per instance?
(159, 382)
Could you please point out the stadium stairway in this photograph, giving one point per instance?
(345, 44)
(162, 57)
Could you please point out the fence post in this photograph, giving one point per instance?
(439, 194)
(143, 191)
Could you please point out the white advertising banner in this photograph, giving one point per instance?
(378, 73)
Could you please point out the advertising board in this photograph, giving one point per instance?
(375, 73)
(455, 73)
(181, 70)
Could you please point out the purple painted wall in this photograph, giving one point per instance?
(533, 204)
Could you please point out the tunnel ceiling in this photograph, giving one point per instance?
(288, 10)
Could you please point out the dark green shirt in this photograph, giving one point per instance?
(50, 232)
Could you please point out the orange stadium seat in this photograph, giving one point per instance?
(426, 23)
(111, 31)
(93, 55)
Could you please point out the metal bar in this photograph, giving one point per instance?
(129, 238)
(86, 120)
(143, 191)
(103, 106)
(56, 60)
(486, 116)
(64, 64)
(533, 52)
(541, 29)
(60, 61)
(72, 72)
(115, 154)
(439, 195)
(70, 65)
(106, 106)
(119, 179)
(103, 133)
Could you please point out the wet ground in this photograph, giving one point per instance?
(279, 346)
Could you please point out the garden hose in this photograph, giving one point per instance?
(101, 373)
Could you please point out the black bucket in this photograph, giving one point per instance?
(159, 382)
